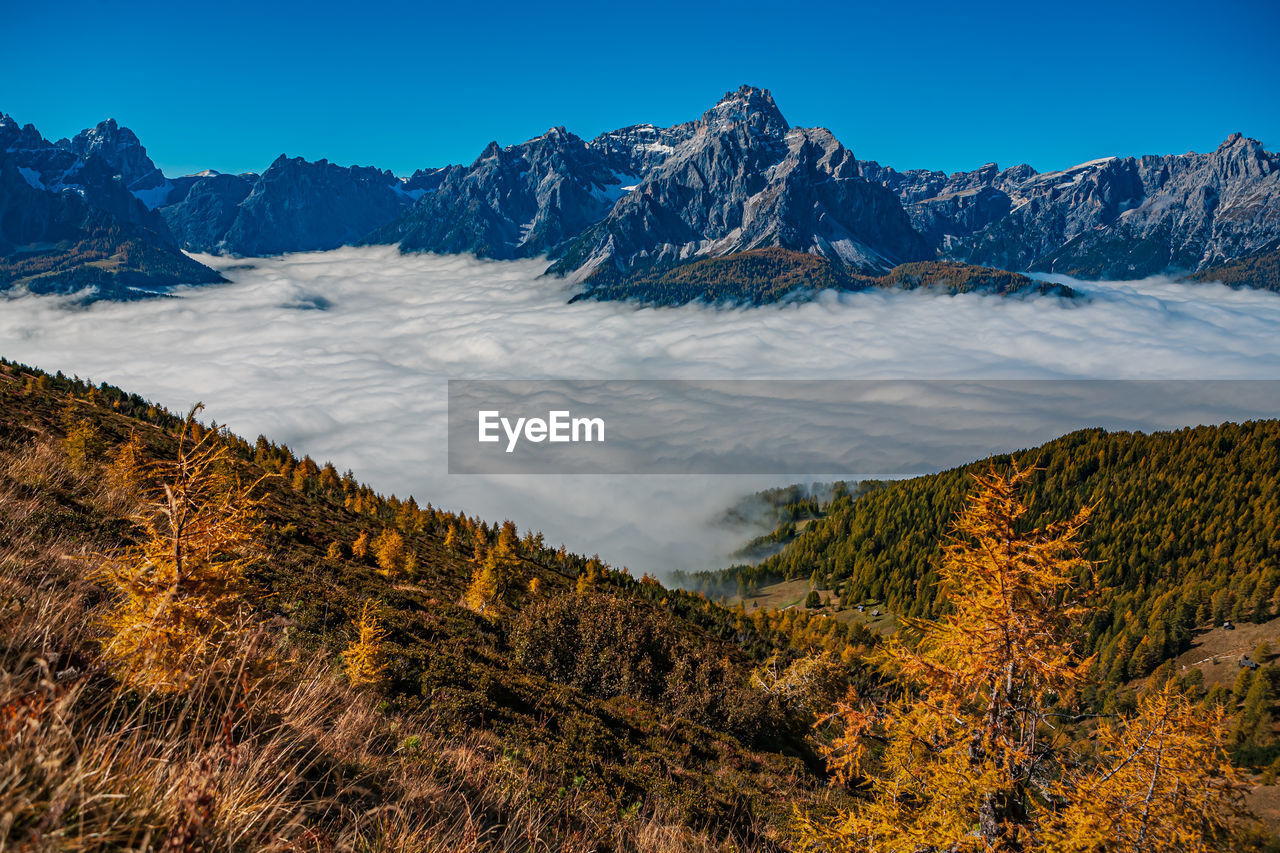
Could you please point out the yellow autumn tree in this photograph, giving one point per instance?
(494, 579)
(390, 552)
(1161, 782)
(482, 591)
(588, 578)
(177, 596)
(363, 661)
(959, 756)
(360, 547)
(82, 442)
(127, 470)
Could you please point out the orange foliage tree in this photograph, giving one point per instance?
(965, 751)
(1161, 782)
(178, 595)
(363, 659)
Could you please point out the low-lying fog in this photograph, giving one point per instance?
(344, 355)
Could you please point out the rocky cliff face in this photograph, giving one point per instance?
(947, 208)
(638, 149)
(56, 169)
(1109, 218)
(68, 222)
(301, 206)
(295, 205)
(119, 148)
(743, 179)
(1186, 212)
(514, 202)
(203, 208)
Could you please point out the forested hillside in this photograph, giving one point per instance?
(760, 276)
(1186, 532)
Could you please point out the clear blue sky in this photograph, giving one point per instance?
(406, 85)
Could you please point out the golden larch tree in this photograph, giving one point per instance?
(126, 472)
(959, 755)
(178, 602)
(482, 591)
(494, 579)
(363, 661)
(360, 547)
(390, 552)
(1161, 782)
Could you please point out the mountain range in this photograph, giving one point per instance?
(737, 204)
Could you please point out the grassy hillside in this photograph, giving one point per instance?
(588, 711)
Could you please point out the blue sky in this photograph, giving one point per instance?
(407, 85)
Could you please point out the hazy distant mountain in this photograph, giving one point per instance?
(629, 213)
(294, 206)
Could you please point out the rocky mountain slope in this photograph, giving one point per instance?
(72, 216)
(744, 179)
(515, 202)
(1114, 218)
(627, 208)
(294, 206)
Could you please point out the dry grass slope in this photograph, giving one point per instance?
(295, 756)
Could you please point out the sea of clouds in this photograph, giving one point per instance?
(344, 355)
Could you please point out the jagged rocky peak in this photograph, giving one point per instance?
(637, 149)
(548, 145)
(120, 148)
(749, 107)
(14, 137)
(815, 150)
(106, 135)
(493, 149)
(1240, 157)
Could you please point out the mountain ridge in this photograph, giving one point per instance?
(643, 202)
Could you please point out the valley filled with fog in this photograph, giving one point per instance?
(344, 355)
